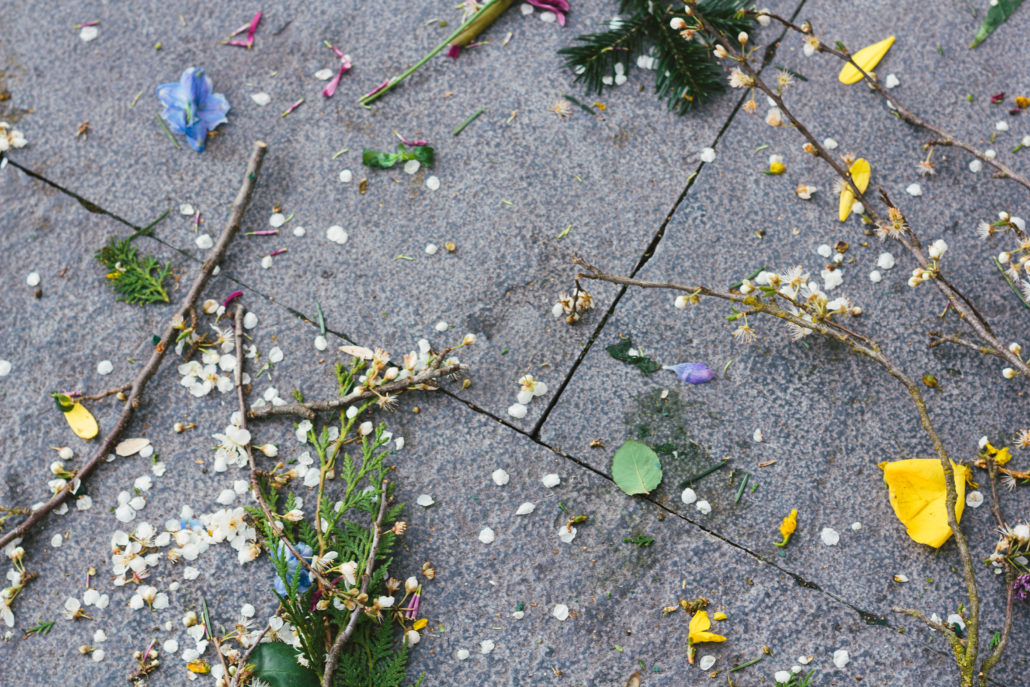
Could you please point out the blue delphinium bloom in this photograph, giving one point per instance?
(692, 373)
(191, 108)
(303, 578)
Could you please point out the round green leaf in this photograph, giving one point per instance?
(636, 468)
(276, 664)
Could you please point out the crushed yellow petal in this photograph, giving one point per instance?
(199, 667)
(917, 495)
(867, 58)
(860, 172)
(777, 168)
(698, 627)
(789, 524)
(719, 615)
(1022, 102)
(1001, 456)
(82, 421)
(420, 623)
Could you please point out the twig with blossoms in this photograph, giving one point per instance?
(255, 487)
(897, 227)
(943, 137)
(766, 301)
(239, 207)
(333, 658)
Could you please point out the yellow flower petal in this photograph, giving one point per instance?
(1003, 456)
(789, 524)
(697, 629)
(420, 623)
(199, 667)
(867, 58)
(719, 615)
(777, 168)
(82, 421)
(917, 495)
(860, 172)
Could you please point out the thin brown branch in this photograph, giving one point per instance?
(308, 410)
(938, 338)
(103, 394)
(241, 665)
(106, 446)
(957, 643)
(333, 658)
(255, 485)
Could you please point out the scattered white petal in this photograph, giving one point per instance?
(885, 261)
(688, 496)
(87, 34)
(891, 81)
(336, 234)
(1001, 125)
(914, 190)
(56, 540)
(875, 276)
(411, 166)
(266, 262)
(550, 480)
(431, 249)
(500, 477)
(320, 343)
(525, 509)
(250, 320)
(706, 662)
(548, 17)
(782, 676)
(487, 536)
(299, 230)
(517, 411)
(566, 534)
(5, 368)
(707, 155)
(824, 250)
(758, 436)
(432, 183)
(105, 367)
(974, 499)
(186, 209)
(486, 646)
(346, 176)
(324, 74)
(841, 658)
(275, 355)
(204, 241)
(703, 507)
(829, 536)
(261, 99)
(830, 143)
(425, 500)
(975, 165)
(171, 646)
(277, 220)
(561, 611)
(901, 578)
(32, 279)
(526, 8)
(441, 326)
(462, 654)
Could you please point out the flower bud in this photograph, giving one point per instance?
(1008, 373)
(1004, 257)
(1015, 348)
(742, 37)
(65, 453)
(411, 585)
(469, 339)
(270, 450)
(677, 23)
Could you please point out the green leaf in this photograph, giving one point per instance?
(636, 468)
(620, 351)
(373, 158)
(276, 664)
(995, 17)
(64, 403)
(423, 154)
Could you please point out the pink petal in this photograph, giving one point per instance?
(253, 27)
(454, 51)
(330, 87)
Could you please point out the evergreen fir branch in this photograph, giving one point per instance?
(137, 278)
(686, 73)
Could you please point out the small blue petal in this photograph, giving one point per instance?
(175, 118)
(693, 373)
(170, 95)
(191, 108)
(279, 586)
(213, 110)
(196, 136)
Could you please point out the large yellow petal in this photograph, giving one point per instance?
(860, 172)
(706, 637)
(82, 421)
(917, 495)
(867, 58)
(697, 629)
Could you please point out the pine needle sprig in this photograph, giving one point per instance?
(137, 278)
(687, 74)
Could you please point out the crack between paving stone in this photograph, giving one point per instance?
(652, 246)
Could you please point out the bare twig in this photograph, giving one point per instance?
(255, 486)
(938, 338)
(232, 226)
(241, 665)
(308, 410)
(956, 642)
(333, 658)
(103, 394)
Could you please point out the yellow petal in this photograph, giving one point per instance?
(866, 58)
(719, 615)
(789, 524)
(777, 168)
(699, 623)
(860, 172)
(82, 421)
(706, 637)
(200, 667)
(1003, 456)
(917, 495)
(420, 623)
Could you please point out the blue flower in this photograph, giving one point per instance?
(303, 578)
(692, 373)
(191, 108)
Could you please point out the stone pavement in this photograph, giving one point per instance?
(623, 185)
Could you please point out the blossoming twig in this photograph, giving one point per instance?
(232, 226)
(308, 410)
(962, 305)
(868, 348)
(254, 485)
(334, 653)
(943, 137)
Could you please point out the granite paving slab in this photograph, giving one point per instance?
(825, 417)
(521, 191)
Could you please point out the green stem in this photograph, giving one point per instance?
(391, 83)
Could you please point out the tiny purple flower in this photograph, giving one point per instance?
(692, 373)
(191, 108)
(1021, 587)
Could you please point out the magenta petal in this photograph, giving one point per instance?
(232, 296)
(253, 27)
(330, 88)
(454, 51)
